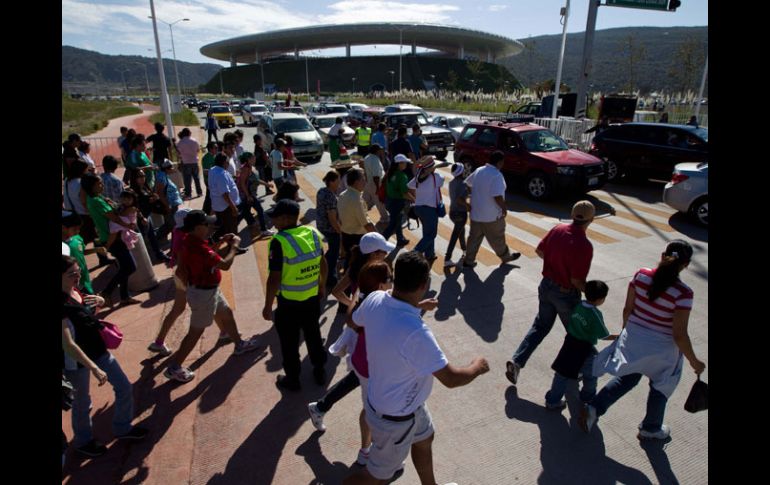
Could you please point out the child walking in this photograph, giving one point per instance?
(458, 212)
(576, 357)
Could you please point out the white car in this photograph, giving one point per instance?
(455, 124)
(323, 124)
(253, 112)
(688, 190)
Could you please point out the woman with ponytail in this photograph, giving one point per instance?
(653, 342)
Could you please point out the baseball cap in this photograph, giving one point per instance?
(374, 241)
(401, 158)
(180, 215)
(583, 210)
(284, 207)
(457, 169)
(195, 218)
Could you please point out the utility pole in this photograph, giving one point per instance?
(164, 104)
(400, 55)
(565, 17)
(585, 64)
(702, 86)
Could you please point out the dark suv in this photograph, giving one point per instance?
(534, 155)
(649, 149)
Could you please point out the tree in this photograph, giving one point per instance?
(687, 65)
(453, 81)
(632, 53)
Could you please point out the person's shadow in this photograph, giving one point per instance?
(480, 303)
(567, 454)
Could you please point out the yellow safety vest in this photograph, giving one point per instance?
(302, 251)
(364, 136)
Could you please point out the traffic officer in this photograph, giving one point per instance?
(364, 136)
(298, 279)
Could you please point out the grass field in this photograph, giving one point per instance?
(86, 117)
(183, 118)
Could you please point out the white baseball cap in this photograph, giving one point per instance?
(374, 241)
(179, 216)
(401, 158)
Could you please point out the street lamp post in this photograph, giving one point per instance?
(433, 78)
(163, 90)
(173, 50)
(146, 77)
(122, 75)
(557, 89)
(354, 85)
(391, 79)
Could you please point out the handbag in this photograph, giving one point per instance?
(111, 334)
(440, 208)
(698, 400)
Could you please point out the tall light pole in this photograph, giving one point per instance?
(146, 77)
(400, 55)
(122, 75)
(173, 50)
(565, 16)
(164, 104)
(702, 86)
(391, 79)
(354, 84)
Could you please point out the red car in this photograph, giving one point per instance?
(534, 155)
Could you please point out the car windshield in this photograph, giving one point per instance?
(543, 141)
(409, 120)
(220, 109)
(702, 133)
(258, 109)
(325, 122)
(457, 122)
(336, 109)
(292, 125)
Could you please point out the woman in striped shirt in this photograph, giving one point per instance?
(653, 342)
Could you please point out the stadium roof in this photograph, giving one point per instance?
(454, 41)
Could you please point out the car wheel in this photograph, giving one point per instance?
(442, 155)
(538, 186)
(613, 170)
(700, 210)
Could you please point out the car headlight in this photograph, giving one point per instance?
(565, 170)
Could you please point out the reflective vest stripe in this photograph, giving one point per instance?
(301, 263)
(305, 287)
(301, 257)
(364, 135)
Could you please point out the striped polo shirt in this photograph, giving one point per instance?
(658, 315)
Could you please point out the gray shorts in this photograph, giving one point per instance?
(391, 440)
(204, 304)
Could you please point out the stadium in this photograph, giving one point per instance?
(276, 60)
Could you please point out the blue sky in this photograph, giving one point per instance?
(122, 26)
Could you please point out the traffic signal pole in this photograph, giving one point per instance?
(585, 64)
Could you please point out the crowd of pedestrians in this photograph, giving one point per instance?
(391, 353)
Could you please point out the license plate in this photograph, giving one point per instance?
(593, 181)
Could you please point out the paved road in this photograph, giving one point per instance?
(231, 426)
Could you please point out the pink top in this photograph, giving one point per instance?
(658, 315)
(359, 355)
(177, 239)
(188, 150)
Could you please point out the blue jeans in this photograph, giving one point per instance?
(124, 399)
(619, 386)
(553, 301)
(429, 219)
(559, 384)
(395, 209)
(332, 255)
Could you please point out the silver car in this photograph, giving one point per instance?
(688, 190)
(308, 144)
(455, 124)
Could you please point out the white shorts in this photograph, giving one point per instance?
(204, 304)
(391, 440)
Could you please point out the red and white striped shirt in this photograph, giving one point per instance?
(658, 315)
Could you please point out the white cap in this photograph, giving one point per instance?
(374, 241)
(65, 249)
(401, 158)
(457, 170)
(179, 216)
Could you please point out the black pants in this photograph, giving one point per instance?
(126, 267)
(214, 134)
(207, 200)
(290, 318)
(339, 390)
(348, 241)
(228, 223)
(363, 150)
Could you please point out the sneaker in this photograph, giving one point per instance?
(510, 257)
(246, 346)
(182, 374)
(512, 370)
(588, 418)
(240, 251)
(267, 233)
(448, 263)
(319, 375)
(663, 433)
(284, 382)
(224, 339)
(316, 417)
(471, 264)
(556, 406)
(136, 433)
(363, 457)
(92, 448)
(163, 350)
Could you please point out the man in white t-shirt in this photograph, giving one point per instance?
(487, 187)
(375, 175)
(403, 357)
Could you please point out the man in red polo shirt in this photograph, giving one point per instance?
(567, 254)
(200, 268)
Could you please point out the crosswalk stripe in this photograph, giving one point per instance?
(639, 219)
(226, 287)
(621, 228)
(306, 187)
(485, 255)
(261, 254)
(611, 198)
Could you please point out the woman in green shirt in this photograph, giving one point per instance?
(102, 211)
(397, 195)
(138, 160)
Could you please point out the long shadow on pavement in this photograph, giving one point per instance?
(568, 455)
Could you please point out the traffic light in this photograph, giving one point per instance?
(673, 4)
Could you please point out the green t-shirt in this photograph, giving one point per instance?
(396, 187)
(77, 248)
(207, 163)
(138, 160)
(98, 208)
(587, 323)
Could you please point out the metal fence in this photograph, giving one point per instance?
(101, 147)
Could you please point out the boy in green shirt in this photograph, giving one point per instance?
(70, 234)
(576, 357)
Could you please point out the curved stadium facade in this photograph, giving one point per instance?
(277, 56)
